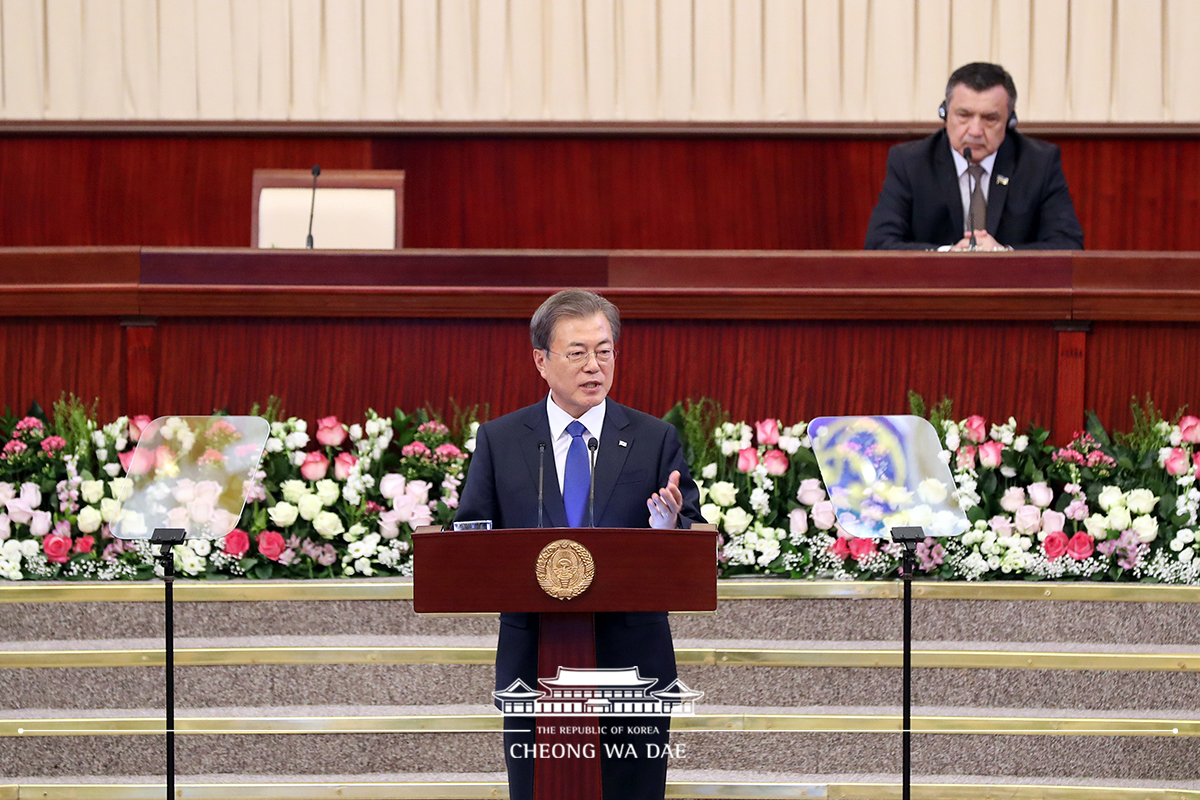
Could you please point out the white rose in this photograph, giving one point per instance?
(109, 509)
(1097, 526)
(1119, 518)
(296, 440)
(328, 491)
(1021, 444)
(201, 547)
(711, 512)
(293, 490)
(91, 491)
(356, 432)
(1141, 501)
(121, 489)
(283, 514)
(737, 520)
(112, 470)
(723, 493)
(709, 472)
(329, 525)
(952, 440)
(274, 445)
(30, 547)
(1110, 497)
(89, 519)
(1145, 528)
(188, 561)
(298, 424)
(309, 506)
(932, 491)
(1187, 555)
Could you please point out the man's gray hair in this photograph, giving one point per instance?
(980, 76)
(570, 304)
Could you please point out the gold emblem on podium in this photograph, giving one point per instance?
(565, 569)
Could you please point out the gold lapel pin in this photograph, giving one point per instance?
(1002, 180)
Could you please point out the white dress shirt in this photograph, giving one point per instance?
(960, 166)
(593, 420)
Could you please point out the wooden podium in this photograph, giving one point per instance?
(632, 570)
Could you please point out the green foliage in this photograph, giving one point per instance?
(937, 415)
(272, 413)
(696, 421)
(74, 422)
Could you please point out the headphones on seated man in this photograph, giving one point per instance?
(1012, 116)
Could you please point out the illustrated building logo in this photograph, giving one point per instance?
(598, 693)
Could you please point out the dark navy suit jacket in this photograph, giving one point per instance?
(920, 206)
(636, 455)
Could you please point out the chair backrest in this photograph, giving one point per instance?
(354, 209)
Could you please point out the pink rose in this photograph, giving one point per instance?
(419, 490)
(747, 459)
(1053, 521)
(1055, 545)
(1012, 499)
(976, 428)
(422, 515)
(137, 425)
(39, 524)
(1028, 520)
(1081, 546)
(136, 461)
(1196, 462)
(404, 506)
(343, 464)
(1040, 494)
(57, 548)
(811, 492)
(1077, 510)
(391, 485)
(1001, 524)
(1176, 461)
(237, 542)
(389, 524)
(84, 544)
(775, 461)
(271, 545)
(861, 548)
(823, 515)
(965, 458)
(798, 522)
(840, 548)
(314, 467)
(989, 454)
(767, 431)
(330, 432)
(1190, 428)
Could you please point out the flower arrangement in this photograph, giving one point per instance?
(344, 501)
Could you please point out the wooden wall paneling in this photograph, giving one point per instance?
(43, 357)
(1145, 286)
(147, 190)
(1136, 360)
(48, 281)
(140, 367)
(1070, 385)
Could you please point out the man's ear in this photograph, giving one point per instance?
(539, 361)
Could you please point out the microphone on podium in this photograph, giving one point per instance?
(308, 243)
(593, 443)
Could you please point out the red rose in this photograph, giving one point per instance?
(861, 548)
(237, 542)
(1081, 546)
(966, 457)
(1189, 428)
(767, 431)
(271, 544)
(57, 548)
(747, 459)
(84, 544)
(839, 548)
(137, 425)
(1054, 545)
(343, 464)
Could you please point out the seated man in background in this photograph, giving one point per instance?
(977, 169)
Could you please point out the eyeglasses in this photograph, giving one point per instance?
(578, 358)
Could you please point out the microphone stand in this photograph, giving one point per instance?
(541, 478)
(308, 242)
(970, 196)
(593, 443)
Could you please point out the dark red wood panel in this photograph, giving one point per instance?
(1128, 360)
(176, 190)
(40, 358)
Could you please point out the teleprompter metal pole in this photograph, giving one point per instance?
(910, 538)
(168, 538)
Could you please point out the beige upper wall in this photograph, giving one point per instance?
(589, 60)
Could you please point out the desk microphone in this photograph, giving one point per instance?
(541, 477)
(970, 194)
(308, 243)
(593, 443)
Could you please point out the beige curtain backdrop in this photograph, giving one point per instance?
(589, 60)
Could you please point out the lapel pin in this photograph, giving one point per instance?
(621, 443)
(1002, 180)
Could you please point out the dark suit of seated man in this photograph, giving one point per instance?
(924, 204)
(641, 480)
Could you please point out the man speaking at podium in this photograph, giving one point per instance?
(976, 184)
(641, 481)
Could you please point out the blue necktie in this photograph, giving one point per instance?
(577, 476)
